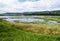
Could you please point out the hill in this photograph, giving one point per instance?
(57, 13)
(9, 32)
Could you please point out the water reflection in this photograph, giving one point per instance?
(52, 22)
(28, 19)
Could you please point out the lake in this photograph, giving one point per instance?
(27, 19)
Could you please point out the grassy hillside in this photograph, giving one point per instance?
(9, 32)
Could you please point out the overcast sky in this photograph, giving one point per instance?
(28, 5)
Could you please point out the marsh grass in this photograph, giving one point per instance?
(38, 28)
(14, 32)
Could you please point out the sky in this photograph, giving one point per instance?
(28, 5)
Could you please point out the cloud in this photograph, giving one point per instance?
(28, 5)
(27, 0)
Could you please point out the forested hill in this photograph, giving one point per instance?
(33, 13)
(47, 13)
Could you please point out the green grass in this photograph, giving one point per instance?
(47, 18)
(56, 18)
(11, 33)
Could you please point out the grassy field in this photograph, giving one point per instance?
(47, 18)
(14, 32)
(38, 28)
(56, 18)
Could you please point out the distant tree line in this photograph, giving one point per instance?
(33, 13)
(46, 13)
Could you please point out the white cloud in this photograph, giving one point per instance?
(17, 6)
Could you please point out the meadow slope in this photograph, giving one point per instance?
(9, 32)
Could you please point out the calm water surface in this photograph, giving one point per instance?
(27, 19)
